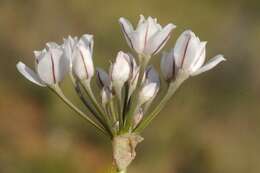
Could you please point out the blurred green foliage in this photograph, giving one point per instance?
(210, 126)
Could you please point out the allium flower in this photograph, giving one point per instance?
(120, 71)
(50, 65)
(82, 63)
(189, 54)
(148, 38)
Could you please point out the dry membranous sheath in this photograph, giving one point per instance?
(122, 108)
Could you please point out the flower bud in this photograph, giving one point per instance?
(105, 84)
(120, 71)
(82, 63)
(150, 86)
(103, 79)
(168, 66)
(106, 95)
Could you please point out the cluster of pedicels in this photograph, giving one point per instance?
(122, 108)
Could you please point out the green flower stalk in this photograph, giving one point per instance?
(122, 109)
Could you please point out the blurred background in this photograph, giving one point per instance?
(210, 126)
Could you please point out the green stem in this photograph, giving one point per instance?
(171, 90)
(56, 89)
(129, 115)
(97, 106)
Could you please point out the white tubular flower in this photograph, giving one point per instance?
(120, 71)
(168, 66)
(190, 54)
(149, 36)
(50, 65)
(82, 63)
(151, 84)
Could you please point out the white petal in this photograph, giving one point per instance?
(156, 43)
(200, 57)
(181, 46)
(126, 25)
(29, 74)
(210, 64)
(61, 64)
(88, 40)
(139, 36)
(191, 53)
(141, 19)
(153, 27)
(147, 92)
(52, 45)
(69, 45)
(45, 69)
(88, 60)
(39, 54)
(127, 29)
(133, 81)
(82, 62)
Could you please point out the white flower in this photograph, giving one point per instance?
(190, 54)
(82, 63)
(149, 36)
(151, 83)
(120, 71)
(50, 66)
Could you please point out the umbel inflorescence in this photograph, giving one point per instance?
(122, 107)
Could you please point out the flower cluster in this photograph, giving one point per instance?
(130, 86)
